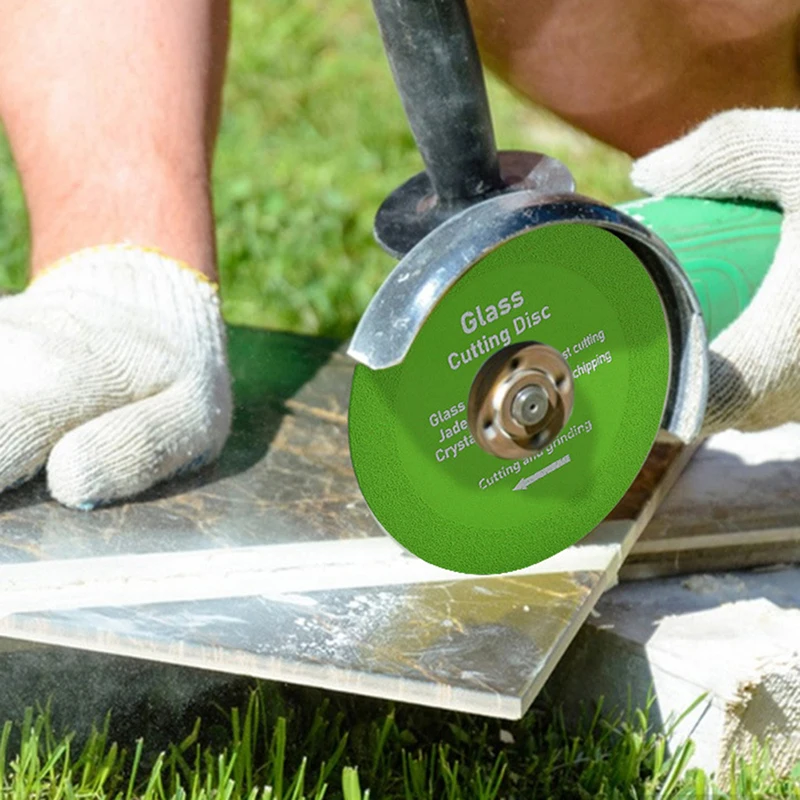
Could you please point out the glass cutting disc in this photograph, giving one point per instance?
(574, 287)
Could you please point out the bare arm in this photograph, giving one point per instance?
(635, 74)
(111, 109)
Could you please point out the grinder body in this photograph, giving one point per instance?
(518, 363)
(725, 247)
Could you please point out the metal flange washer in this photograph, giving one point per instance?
(520, 400)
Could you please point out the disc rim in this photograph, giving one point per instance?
(420, 513)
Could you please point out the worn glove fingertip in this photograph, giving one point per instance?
(668, 170)
(131, 449)
(73, 477)
(24, 445)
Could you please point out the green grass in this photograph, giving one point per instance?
(313, 138)
(294, 744)
(13, 225)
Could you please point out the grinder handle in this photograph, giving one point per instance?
(434, 60)
(725, 247)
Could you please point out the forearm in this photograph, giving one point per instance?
(111, 109)
(638, 75)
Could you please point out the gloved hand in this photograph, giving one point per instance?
(112, 371)
(755, 361)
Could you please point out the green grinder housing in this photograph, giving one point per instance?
(725, 247)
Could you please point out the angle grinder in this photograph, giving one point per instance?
(517, 365)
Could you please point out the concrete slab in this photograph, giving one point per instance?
(732, 636)
(269, 563)
(737, 505)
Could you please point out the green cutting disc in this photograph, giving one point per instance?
(574, 287)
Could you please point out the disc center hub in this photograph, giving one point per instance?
(520, 400)
(530, 405)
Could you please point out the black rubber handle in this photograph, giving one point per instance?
(437, 70)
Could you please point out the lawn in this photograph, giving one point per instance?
(313, 138)
(299, 744)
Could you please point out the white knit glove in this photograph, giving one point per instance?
(755, 361)
(112, 371)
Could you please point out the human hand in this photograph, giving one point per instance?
(113, 372)
(755, 361)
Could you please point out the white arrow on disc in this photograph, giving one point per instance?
(526, 482)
